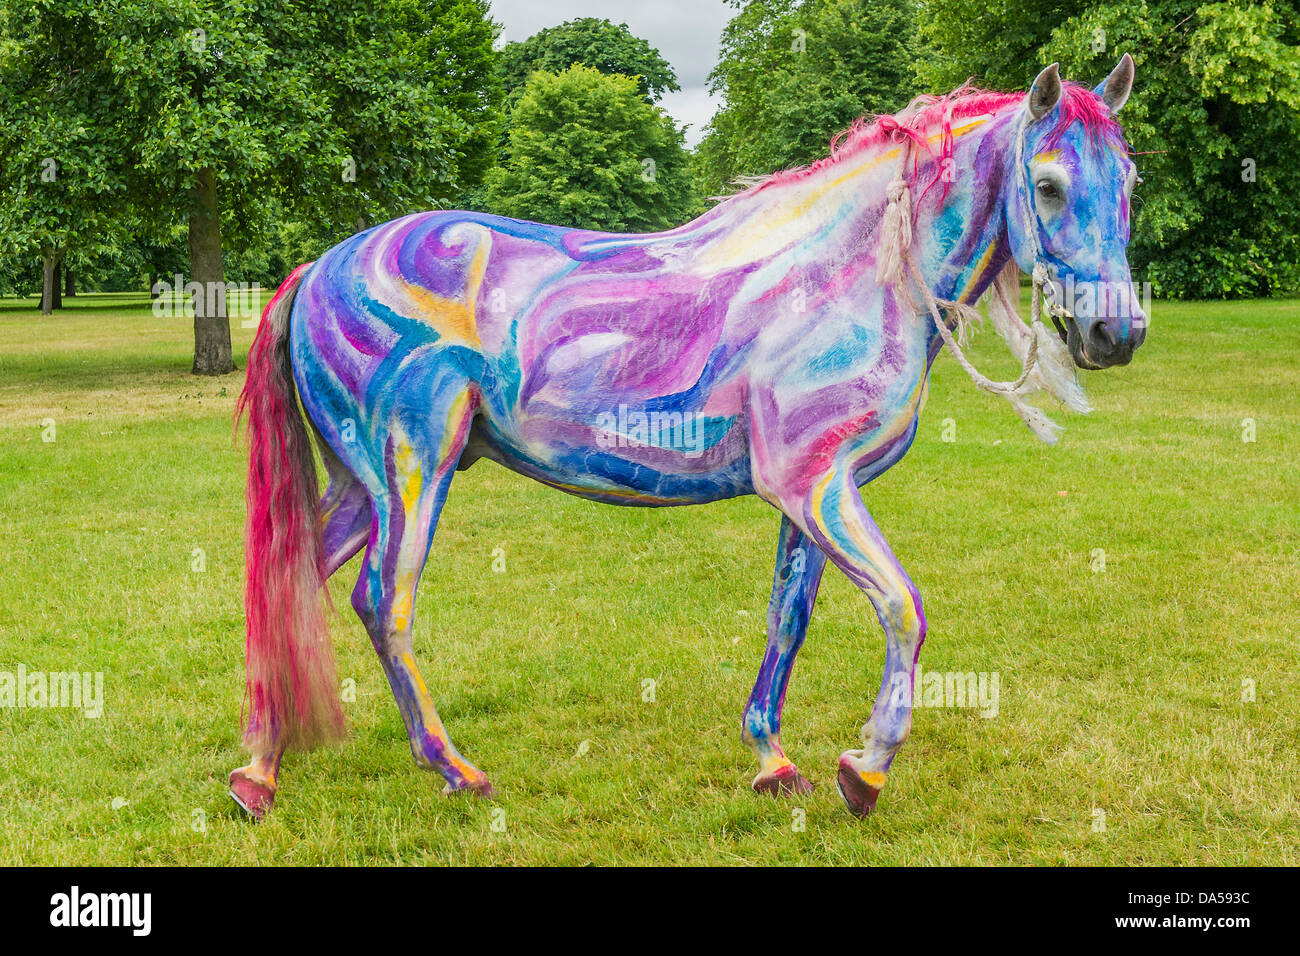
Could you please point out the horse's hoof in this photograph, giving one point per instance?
(787, 781)
(859, 791)
(480, 788)
(254, 797)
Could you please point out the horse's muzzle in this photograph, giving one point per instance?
(1101, 347)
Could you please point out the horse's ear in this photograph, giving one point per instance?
(1114, 90)
(1045, 93)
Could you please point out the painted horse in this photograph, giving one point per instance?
(751, 351)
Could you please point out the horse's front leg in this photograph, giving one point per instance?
(833, 515)
(799, 565)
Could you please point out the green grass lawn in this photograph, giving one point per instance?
(1121, 689)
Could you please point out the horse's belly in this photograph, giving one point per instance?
(618, 470)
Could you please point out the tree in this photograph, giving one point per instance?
(63, 171)
(793, 74)
(346, 114)
(1214, 119)
(593, 42)
(587, 150)
(217, 111)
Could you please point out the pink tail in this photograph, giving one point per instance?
(292, 694)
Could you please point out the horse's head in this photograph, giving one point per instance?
(1068, 209)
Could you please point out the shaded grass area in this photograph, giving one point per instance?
(1121, 688)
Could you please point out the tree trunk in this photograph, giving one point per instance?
(57, 288)
(50, 259)
(69, 286)
(47, 285)
(211, 322)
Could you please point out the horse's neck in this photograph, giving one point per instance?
(959, 236)
(961, 242)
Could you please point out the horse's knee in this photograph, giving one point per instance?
(383, 636)
(363, 605)
(900, 612)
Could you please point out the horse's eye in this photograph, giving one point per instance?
(1049, 190)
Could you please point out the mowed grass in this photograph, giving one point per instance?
(1121, 689)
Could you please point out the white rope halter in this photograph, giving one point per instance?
(895, 263)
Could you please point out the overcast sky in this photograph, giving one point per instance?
(685, 32)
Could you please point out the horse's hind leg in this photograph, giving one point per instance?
(837, 520)
(345, 513)
(799, 565)
(253, 786)
(420, 460)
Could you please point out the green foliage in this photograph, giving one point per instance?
(587, 150)
(63, 168)
(793, 74)
(592, 42)
(321, 112)
(600, 45)
(320, 116)
(996, 42)
(1215, 115)
(338, 110)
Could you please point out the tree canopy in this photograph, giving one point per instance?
(587, 150)
(593, 42)
(64, 168)
(793, 74)
(249, 135)
(223, 114)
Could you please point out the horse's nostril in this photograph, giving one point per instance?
(1101, 336)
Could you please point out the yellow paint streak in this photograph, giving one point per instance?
(872, 778)
(977, 271)
(402, 602)
(879, 567)
(433, 723)
(429, 714)
(819, 492)
(410, 483)
(758, 241)
(772, 761)
(968, 126)
(453, 319)
(407, 470)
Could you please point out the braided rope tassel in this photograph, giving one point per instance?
(895, 232)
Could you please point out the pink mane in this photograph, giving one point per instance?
(915, 123)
